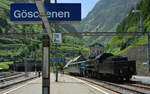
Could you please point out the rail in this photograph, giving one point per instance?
(118, 88)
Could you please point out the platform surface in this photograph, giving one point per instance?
(143, 79)
(65, 85)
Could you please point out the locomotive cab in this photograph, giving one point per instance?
(123, 68)
(115, 67)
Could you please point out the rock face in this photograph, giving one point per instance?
(138, 53)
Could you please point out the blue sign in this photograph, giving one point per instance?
(58, 59)
(61, 59)
(145, 63)
(52, 59)
(55, 12)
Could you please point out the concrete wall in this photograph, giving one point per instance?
(20, 67)
(138, 53)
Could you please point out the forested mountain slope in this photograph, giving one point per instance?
(105, 17)
(132, 24)
(134, 47)
(15, 47)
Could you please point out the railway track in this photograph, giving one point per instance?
(142, 86)
(148, 85)
(8, 78)
(119, 88)
(5, 75)
(15, 79)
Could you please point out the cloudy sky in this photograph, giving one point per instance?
(87, 5)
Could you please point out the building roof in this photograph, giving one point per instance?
(76, 59)
(103, 56)
(96, 44)
(72, 60)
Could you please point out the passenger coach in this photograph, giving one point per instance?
(77, 68)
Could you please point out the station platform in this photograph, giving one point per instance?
(142, 79)
(66, 85)
(12, 80)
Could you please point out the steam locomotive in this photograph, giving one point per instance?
(105, 66)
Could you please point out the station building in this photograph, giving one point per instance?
(95, 50)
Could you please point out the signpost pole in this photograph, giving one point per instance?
(46, 61)
(57, 38)
(56, 63)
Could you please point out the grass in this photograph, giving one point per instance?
(10, 40)
(142, 40)
(4, 6)
(5, 65)
(115, 44)
(122, 51)
(11, 45)
(51, 68)
(9, 62)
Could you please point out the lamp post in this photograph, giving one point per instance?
(35, 61)
(25, 63)
(141, 19)
(148, 51)
(142, 29)
(56, 62)
(56, 57)
(25, 58)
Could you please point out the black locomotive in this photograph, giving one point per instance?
(106, 65)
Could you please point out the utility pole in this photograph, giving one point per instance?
(148, 50)
(26, 65)
(73, 48)
(25, 59)
(56, 62)
(56, 57)
(142, 30)
(141, 23)
(46, 61)
(35, 62)
(141, 18)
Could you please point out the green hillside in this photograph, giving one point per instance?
(131, 24)
(105, 17)
(14, 47)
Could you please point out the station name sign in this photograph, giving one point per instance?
(55, 12)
